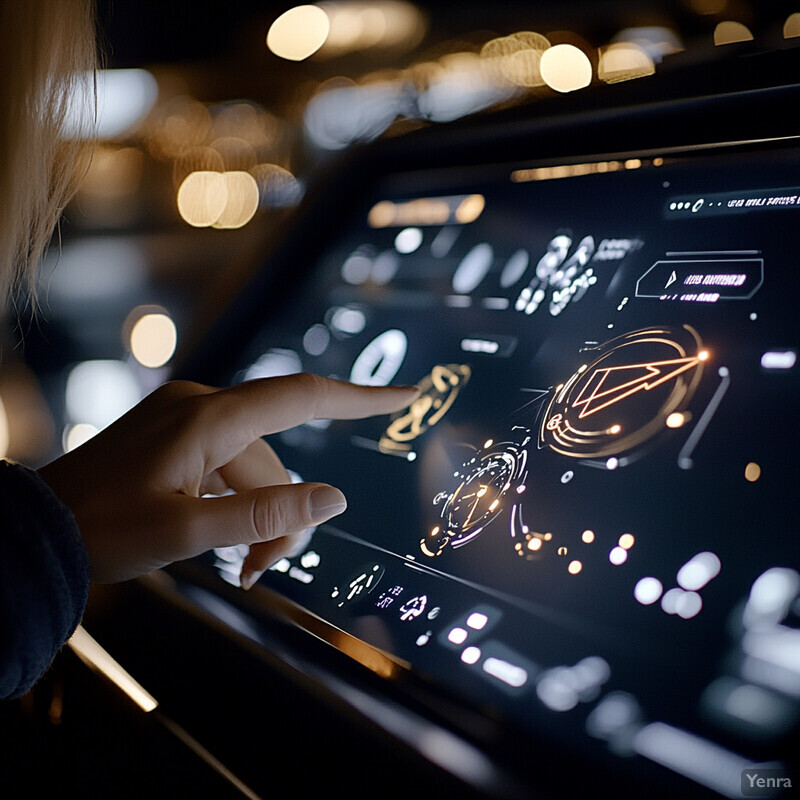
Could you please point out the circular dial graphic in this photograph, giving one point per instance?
(493, 477)
(379, 361)
(632, 389)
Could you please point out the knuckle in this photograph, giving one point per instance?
(272, 518)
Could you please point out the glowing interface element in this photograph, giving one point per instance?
(629, 393)
(379, 361)
(438, 392)
(361, 583)
(494, 476)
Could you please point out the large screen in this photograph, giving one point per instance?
(586, 526)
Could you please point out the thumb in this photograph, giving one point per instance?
(261, 515)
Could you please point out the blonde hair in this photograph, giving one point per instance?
(48, 56)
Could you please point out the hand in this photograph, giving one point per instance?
(137, 488)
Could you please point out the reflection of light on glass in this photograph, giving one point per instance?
(298, 33)
(626, 541)
(153, 340)
(457, 636)
(471, 655)
(779, 359)
(98, 392)
(274, 362)
(647, 590)
(691, 756)
(202, 198)
(566, 68)
(124, 98)
(624, 61)
(698, 571)
(379, 361)
(676, 419)
(316, 340)
(473, 268)
(730, 32)
(791, 27)
(617, 556)
(587, 537)
(408, 240)
(92, 654)
(574, 567)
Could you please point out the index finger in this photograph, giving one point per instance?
(257, 408)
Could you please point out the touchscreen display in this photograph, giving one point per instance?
(586, 524)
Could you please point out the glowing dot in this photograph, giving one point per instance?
(752, 472)
(703, 355)
(412, 456)
(548, 537)
(626, 541)
(488, 443)
(316, 340)
(648, 590)
(574, 567)
(567, 476)
(562, 551)
(617, 556)
(612, 463)
(457, 636)
(477, 621)
(791, 27)
(676, 419)
(408, 240)
(535, 544)
(153, 340)
(471, 655)
(565, 68)
(615, 429)
(202, 198)
(298, 33)
(587, 536)
(688, 605)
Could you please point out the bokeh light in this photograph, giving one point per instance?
(730, 32)
(242, 200)
(202, 198)
(566, 68)
(623, 62)
(153, 339)
(298, 33)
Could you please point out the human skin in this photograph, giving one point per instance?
(139, 489)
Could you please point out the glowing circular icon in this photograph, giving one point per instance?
(379, 361)
(496, 474)
(626, 394)
(438, 392)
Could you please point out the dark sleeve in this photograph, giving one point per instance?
(44, 577)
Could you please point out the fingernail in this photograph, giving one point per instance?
(326, 502)
(249, 579)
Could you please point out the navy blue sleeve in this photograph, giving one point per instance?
(44, 577)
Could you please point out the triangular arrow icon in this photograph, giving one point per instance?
(672, 279)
